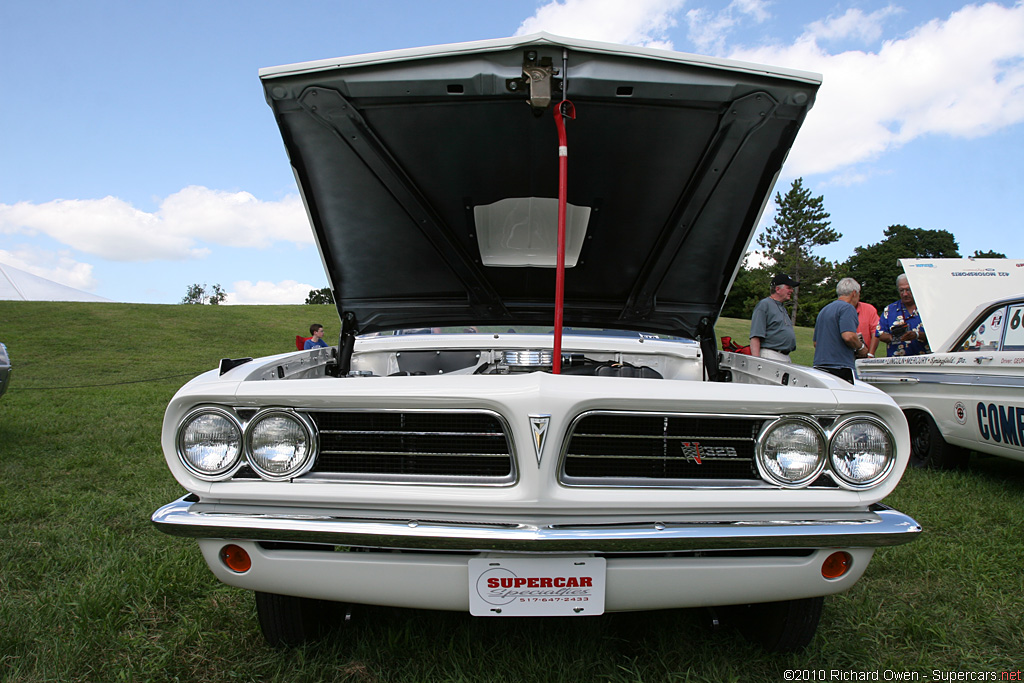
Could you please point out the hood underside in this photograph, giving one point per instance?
(431, 179)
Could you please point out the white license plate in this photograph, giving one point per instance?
(536, 586)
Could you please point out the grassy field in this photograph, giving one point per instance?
(90, 591)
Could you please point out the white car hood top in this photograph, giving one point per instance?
(430, 177)
(951, 293)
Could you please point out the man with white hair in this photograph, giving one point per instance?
(900, 324)
(836, 342)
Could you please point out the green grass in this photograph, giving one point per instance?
(90, 591)
(739, 330)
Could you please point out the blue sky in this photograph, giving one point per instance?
(137, 155)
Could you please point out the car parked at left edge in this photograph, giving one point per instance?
(5, 368)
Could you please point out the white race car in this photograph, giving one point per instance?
(463, 453)
(969, 393)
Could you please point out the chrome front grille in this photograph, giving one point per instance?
(607, 448)
(414, 446)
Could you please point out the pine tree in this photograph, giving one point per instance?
(801, 224)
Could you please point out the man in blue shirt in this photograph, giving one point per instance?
(836, 342)
(316, 341)
(900, 324)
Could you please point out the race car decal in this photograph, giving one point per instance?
(1002, 424)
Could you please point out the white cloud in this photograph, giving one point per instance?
(755, 9)
(852, 24)
(235, 219)
(263, 292)
(113, 229)
(61, 267)
(637, 22)
(757, 259)
(708, 30)
(847, 178)
(961, 77)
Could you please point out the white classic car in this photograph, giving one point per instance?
(969, 393)
(502, 469)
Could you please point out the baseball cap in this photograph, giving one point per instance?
(783, 279)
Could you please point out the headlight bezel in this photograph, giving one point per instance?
(180, 447)
(837, 428)
(760, 456)
(311, 437)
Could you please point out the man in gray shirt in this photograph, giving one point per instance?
(771, 330)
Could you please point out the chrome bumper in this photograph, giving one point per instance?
(879, 526)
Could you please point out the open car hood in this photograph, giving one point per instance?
(431, 179)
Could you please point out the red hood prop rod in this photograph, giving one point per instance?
(565, 109)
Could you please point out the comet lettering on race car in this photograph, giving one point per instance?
(1002, 424)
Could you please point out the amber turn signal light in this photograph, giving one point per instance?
(237, 560)
(835, 565)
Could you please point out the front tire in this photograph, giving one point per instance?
(287, 620)
(927, 447)
(786, 626)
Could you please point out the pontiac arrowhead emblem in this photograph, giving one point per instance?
(539, 425)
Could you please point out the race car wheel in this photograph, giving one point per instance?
(927, 447)
(287, 620)
(786, 626)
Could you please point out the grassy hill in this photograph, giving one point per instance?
(90, 591)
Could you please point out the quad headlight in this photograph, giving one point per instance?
(210, 443)
(280, 444)
(861, 452)
(791, 452)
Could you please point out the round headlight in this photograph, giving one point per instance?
(279, 444)
(210, 443)
(791, 452)
(861, 453)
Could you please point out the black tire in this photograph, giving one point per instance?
(287, 620)
(786, 626)
(927, 447)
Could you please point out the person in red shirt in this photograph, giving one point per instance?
(868, 317)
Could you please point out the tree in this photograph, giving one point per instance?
(324, 295)
(876, 266)
(801, 224)
(987, 254)
(197, 294)
(217, 295)
(749, 287)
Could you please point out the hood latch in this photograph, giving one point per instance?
(539, 76)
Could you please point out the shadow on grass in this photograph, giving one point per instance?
(997, 470)
(456, 646)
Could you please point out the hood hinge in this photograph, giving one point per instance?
(346, 343)
(709, 349)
